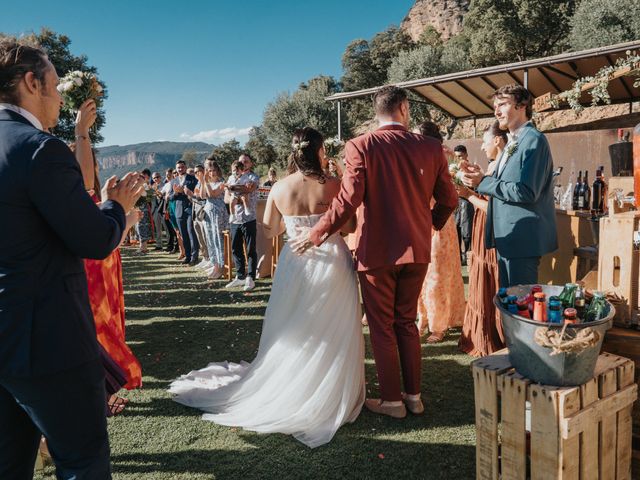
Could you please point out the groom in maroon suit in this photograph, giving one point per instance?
(394, 174)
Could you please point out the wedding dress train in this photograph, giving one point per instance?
(308, 376)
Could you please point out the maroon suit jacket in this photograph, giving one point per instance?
(394, 174)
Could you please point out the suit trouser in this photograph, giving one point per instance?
(158, 223)
(518, 271)
(69, 409)
(189, 237)
(241, 234)
(390, 296)
(171, 240)
(200, 229)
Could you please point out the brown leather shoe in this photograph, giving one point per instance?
(414, 406)
(376, 406)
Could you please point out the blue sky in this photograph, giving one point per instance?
(202, 70)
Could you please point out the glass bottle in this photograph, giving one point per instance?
(539, 307)
(579, 302)
(502, 295)
(576, 191)
(570, 316)
(584, 195)
(568, 295)
(595, 310)
(555, 312)
(523, 307)
(598, 194)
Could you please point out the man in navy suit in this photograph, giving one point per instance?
(51, 378)
(521, 216)
(183, 187)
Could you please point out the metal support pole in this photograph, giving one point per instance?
(475, 128)
(526, 78)
(339, 120)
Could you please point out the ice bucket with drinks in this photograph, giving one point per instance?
(537, 348)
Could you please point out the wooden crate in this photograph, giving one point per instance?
(576, 432)
(618, 263)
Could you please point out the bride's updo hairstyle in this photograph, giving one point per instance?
(305, 148)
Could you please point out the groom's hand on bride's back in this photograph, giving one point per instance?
(301, 242)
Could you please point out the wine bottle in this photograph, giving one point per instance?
(584, 194)
(598, 193)
(576, 192)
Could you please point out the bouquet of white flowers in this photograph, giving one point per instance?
(332, 146)
(76, 87)
(456, 173)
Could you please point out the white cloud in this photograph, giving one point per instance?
(219, 134)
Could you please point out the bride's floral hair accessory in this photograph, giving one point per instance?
(298, 145)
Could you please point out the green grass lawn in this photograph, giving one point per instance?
(176, 322)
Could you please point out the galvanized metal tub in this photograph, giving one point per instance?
(534, 361)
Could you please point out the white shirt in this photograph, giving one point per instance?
(25, 113)
(384, 124)
(513, 138)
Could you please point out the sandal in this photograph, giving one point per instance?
(436, 337)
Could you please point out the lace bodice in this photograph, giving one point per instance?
(294, 222)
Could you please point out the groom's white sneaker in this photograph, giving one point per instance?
(386, 408)
(413, 403)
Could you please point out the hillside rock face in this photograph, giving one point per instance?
(445, 16)
(128, 159)
(156, 156)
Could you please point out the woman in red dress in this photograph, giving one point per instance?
(104, 281)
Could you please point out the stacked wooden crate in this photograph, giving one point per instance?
(576, 432)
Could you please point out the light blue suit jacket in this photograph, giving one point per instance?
(521, 217)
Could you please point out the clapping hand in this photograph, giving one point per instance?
(126, 191)
(301, 242)
(178, 189)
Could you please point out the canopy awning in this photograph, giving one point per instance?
(467, 94)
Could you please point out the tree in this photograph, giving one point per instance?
(597, 23)
(421, 62)
(260, 148)
(190, 157)
(57, 48)
(304, 107)
(227, 153)
(455, 54)
(365, 65)
(430, 36)
(505, 31)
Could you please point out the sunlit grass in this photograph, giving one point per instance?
(177, 322)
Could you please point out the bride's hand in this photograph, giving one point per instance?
(301, 242)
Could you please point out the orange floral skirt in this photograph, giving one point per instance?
(106, 295)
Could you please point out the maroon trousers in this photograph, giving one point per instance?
(390, 296)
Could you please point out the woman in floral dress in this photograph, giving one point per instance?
(211, 187)
(439, 307)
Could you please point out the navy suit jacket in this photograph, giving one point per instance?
(183, 203)
(49, 224)
(521, 215)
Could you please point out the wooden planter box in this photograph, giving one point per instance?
(576, 432)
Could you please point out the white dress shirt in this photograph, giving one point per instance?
(25, 113)
(513, 138)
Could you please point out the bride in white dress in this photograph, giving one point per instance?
(308, 376)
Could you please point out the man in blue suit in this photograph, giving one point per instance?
(521, 218)
(183, 187)
(51, 378)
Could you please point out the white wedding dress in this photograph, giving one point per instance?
(308, 376)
